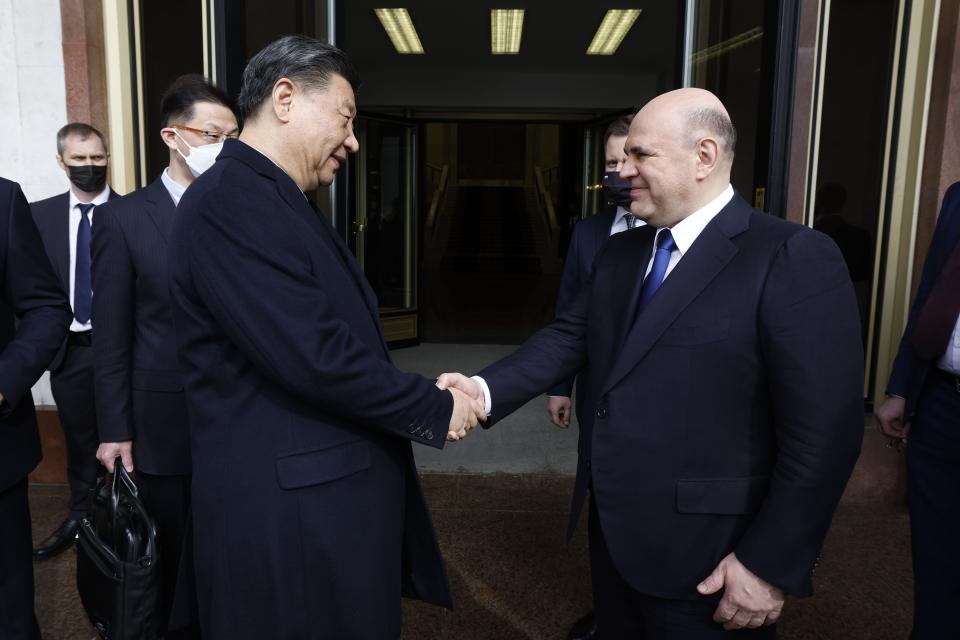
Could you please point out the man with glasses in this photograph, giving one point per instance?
(65, 223)
(143, 415)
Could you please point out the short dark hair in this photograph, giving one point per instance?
(619, 127)
(716, 123)
(80, 129)
(302, 59)
(186, 91)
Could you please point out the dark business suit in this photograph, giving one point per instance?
(138, 383)
(698, 433)
(588, 236)
(933, 454)
(71, 372)
(308, 516)
(34, 316)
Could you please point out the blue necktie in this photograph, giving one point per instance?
(82, 288)
(665, 246)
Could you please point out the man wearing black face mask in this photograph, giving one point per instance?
(65, 223)
(588, 236)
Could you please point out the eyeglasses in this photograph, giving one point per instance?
(210, 137)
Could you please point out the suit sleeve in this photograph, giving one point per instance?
(32, 291)
(811, 346)
(908, 364)
(113, 315)
(570, 286)
(254, 277)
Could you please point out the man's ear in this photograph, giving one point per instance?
(169, 137)
(708, 155)
(282, 98)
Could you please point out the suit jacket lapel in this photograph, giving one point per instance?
(628, 277)
(60, 236)
(160, 208)
(299, 203)
(708, 255)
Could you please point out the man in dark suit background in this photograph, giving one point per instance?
(588, 236)
(923, 398)
(34, 316)
(140, 402)
(722, 407)
(65, 223)
(309, 520)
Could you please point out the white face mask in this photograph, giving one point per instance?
(201, 158)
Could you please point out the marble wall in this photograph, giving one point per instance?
(32, 104)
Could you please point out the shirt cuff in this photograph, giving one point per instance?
(487, 402)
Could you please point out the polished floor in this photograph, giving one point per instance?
(514, 578)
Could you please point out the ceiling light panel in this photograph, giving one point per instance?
(612, 30)
(506, 30)
(400, 29)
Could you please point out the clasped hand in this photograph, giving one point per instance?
(468, 404)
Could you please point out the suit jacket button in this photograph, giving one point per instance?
(412, 428)
(428, 435)
(602, 412)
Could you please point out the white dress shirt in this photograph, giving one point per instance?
(102, 197)
(950, 360)
(689, 229)
(684, 234)
(174, 188)
(620, 221)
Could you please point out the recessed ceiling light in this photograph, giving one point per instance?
(612, 31)
(399, 27)
(506, 29)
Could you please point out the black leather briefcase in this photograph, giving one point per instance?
(117, 572)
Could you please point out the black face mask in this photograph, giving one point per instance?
(616, 189)
(88, 177)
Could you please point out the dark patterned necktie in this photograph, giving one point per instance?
(938, 317)
(82, 288)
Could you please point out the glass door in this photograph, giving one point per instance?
(381, 221)
(742, 51)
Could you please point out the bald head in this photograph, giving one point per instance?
(679, 155)
(695, 114)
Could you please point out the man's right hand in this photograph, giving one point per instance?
(108, 452)
(890, 417)
(559, 409)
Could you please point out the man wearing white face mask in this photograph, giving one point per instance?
(143, 417)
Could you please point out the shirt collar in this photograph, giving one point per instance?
(689, 229)
(621, 212)
(102, 197)
(174, 188)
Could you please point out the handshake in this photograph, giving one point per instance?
(469, 404)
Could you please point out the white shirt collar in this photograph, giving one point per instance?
(689, 229)
(174, 188)
(620, 222)
(102, 197)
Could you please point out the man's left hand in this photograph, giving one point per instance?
(748, 601)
